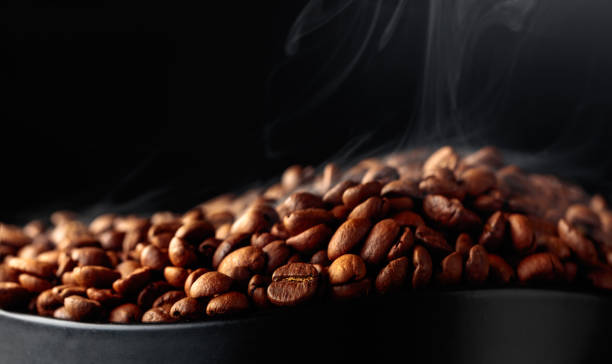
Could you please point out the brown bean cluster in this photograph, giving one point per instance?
(406, 221)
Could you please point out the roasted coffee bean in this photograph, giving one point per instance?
(382, 174)
(432, 239)
(160, 234)
(421, 260)
(153, 257)
(487, 156)
(227, 246)
(499, 270)
(31, 266)
(241, 264)
(210, 284)
(401, 188)
(493, 232)
(227, 304)
(33, 283)
(408, 218)
(478, 180)
(477, 265)
(192, 277)
(12, 295)
(334, 195)
(8, 274)
(257, 290)
(95, 276)
(168, 298)
(176, 276)
(34, 228)
(157, 315)
(80, 308)
(372, 208)
(299, 201)
(442, 182)
(133, 282)
(353, 196)
(13, 236)
(580, 245)
(223, 231)
(340, 212)
(582, 216)
(444, 157)
(320, 258)
(62, 314)
(126, 267)
(125, 314)
(301, 220)
(463, 244)
(111, 240)
(106, 297)
(90, 256)
(181, 253)
(293, 284)
(542, 267)
(393, 276)
(379, 241)
(450, 213)
(348, 235)
(311, 239)
(452, 269)
(521, 232)
(277, 253)
(347, 268)
(47, 302)
(151, 292)
(402, 246)
(554, 245)
(489, 202)
(570, 269)
(188, 309)
(263, 239)
(601, 278)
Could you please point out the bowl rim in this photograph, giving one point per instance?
(468, 294)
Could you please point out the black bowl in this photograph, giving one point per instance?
(472, 326)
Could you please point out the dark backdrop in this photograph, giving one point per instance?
(159, 106)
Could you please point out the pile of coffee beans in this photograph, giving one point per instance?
(406, 221)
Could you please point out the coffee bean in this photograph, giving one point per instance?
(277, 253)
(47, 302)
(601, 278)
(194, 232)
(157, 315)
(499, 270)
(372, 208)
(227, 304)
(442, 182)
(188, 309)
(540, 267)
(227, 246)
(176, 276)
(320, 258)
(241, 264)
(311, 239)
(160, 234)
(444, 157)
(95, 276)
(263, 239)
(181, 253)
(379, 241)
(353, 196)
(334, 195)
(393, 276)
(347, 268)
(13, 236)
(293, 284)
(299, 201)
(382, 174)
(348, 235)
(62, 314)
(192, 277)
(478, 180)
(33, 283)
(151, 292)
(106, 297)
(31, 266)
(571, 270)
(408, 218)
(489, 202)
(450, 213)
(168, 298)
(579, 215)
(402, 246)
(432, 239)
(487, 156)
(554, 245)
(301, 220)
(493, 232)
(12, 295)
(421, 260)
(580, 245)
(90, 256)
(153, 257)
(125, 314)
(463, 244)
(521, 232)
(210, 284)
(133, 282)
(111, 240)
(80, 308)
(452, 269)
(477, 265)
(126, 267)
(257, 290)
(401, 188)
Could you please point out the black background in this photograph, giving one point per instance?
(152, 105)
